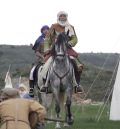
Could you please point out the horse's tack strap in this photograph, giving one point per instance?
(63, 75)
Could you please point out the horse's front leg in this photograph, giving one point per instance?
(68, 117)
(57, 107)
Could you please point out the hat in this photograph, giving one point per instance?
(62, 12)
(23, 86)
(62, 22)
(9, 93)
(45, 27)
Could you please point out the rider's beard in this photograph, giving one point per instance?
(62, 23)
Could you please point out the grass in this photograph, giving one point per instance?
(85, 118)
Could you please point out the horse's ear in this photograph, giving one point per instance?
(68, 32)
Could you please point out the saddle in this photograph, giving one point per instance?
(35, 73)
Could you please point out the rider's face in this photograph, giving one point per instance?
(62, 17)
(45, 31)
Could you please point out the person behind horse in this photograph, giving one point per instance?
(22, 90)
(62, 25)
(39, 52)
(15, 111)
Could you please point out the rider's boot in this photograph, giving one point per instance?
(31, 90)
(78, 87)
(79, 64)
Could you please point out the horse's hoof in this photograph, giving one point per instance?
(66, 125)
(49, 122)
(70, 121)
(57, 125)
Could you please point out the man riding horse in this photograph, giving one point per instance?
(39, 52)
(62, 25)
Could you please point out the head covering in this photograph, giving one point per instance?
(23, 86)
(62, 23)
(7, 93)
(68, 27)
(62, 12)
(41, 38)
(22, 90)
(45, 27)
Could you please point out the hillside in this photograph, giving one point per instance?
(98, 67)
(16, 56)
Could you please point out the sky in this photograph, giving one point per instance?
(96, 22)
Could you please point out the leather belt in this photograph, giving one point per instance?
(4, 121)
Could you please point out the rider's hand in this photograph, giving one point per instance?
(69, 45)
(39, 55)
(46, 52)
(80, 67)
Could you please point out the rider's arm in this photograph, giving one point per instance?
(48, 39)
(73, 39)
(39, 109)
(37, 53)
(39, 50)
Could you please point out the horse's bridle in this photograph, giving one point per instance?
(61, 77)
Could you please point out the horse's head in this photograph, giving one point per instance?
(60, 46)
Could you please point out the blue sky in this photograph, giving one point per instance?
(97, 22)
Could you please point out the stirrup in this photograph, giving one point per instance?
(78, 89)
(43, 89)
(48, 90)
(31, 92)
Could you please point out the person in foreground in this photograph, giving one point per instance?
(18, 113)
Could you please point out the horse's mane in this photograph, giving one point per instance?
(61, 38)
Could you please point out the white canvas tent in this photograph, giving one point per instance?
(8, 82)
(115, 103)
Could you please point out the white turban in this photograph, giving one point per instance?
(66, 23)
(62, 12)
